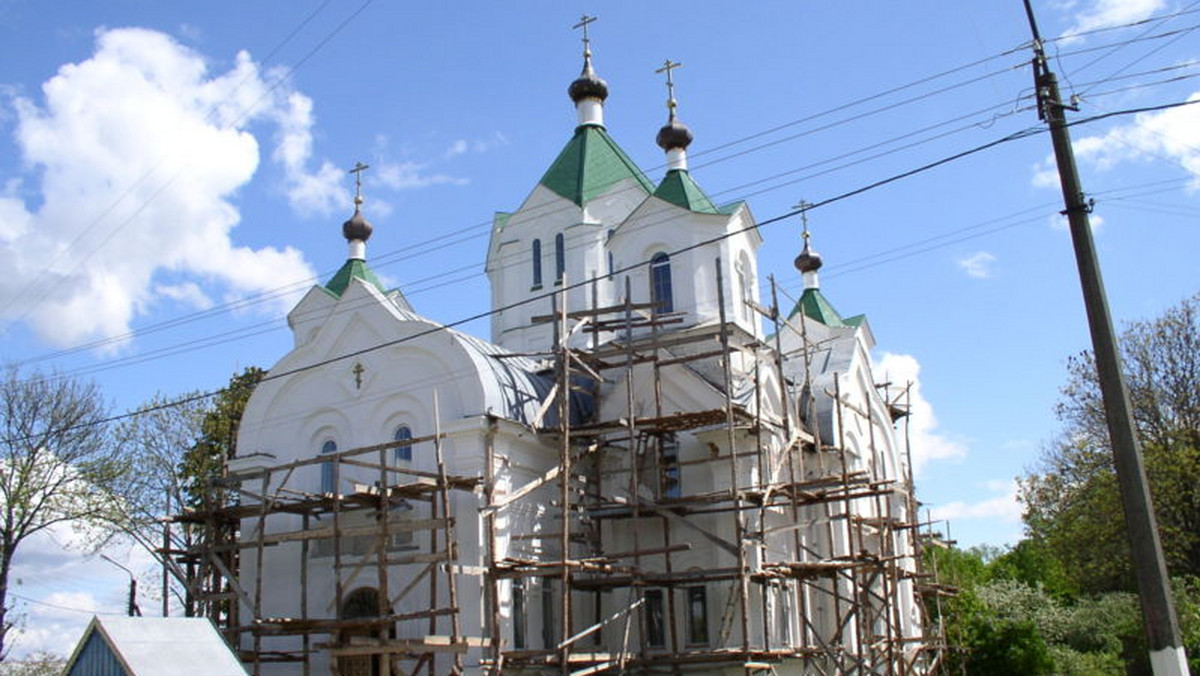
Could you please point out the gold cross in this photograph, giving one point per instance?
(804, 206)
(358, 169)
(669, 66)
(358, 373)
(583, 23)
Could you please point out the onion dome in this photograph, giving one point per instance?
(674, 135)
(588, 85)
(808, 260)
(357, 228)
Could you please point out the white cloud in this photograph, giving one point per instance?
(56, 586)
(139, 151)
(1059, 222)
(928, 443)
(459, 147)
(977, 265)
(188, 293)
(1045, 173)
(1105, 13)
(408, 175)
(1171, 135)
(1002, 505)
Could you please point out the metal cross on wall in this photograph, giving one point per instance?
(358, 371)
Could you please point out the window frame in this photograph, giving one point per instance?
(328, 447)
(537, 264)
(662, 292)
(402, 453)
(697, 616)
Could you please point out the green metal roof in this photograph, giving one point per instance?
(680, 189)
(590, 164)
(353, 268)
(814, 306)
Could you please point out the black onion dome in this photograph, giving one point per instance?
(808, 260)
(357, 227)
(588, 85)
(674, 135)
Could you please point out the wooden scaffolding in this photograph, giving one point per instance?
(814, 549)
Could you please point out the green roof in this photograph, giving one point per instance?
(353, 268)
(680, 189)
(589, 165)
(814, 306)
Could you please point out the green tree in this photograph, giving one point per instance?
(154, 439)
(1072, 505)
(57, 464)
(217, 441)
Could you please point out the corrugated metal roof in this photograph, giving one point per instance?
(590, 164)
(149, 646)
(679, 188)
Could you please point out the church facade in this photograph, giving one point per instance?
(648, 467)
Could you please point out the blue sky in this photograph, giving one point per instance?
(172, 176)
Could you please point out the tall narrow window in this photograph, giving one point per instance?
(608, 241)
(669, 463)
(537, 263)
(697, 614)
(743, 289)
(656, 635)
(560, 258)
(403, 451)
(548, 615)
(327, 448)
(660, 283)
(518, 611)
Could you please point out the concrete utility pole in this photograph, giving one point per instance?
(1167, 656)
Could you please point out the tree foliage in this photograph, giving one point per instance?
(1072, 503)
(217, 441)
(57, 463)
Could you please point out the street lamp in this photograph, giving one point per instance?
(133, 606)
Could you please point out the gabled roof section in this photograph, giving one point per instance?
(353, 268)
(144, 646)
(590, 164)
(815, 306)
(679, 188)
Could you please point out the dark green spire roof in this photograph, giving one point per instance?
(353, 268)
(590, 164)
(814, 306)
(680, 189)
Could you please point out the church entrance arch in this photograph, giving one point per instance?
(362, 603)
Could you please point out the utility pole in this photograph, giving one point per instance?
(132, 606)
(1167, 656)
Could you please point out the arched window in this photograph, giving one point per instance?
(611, 267)
(403, 433)
(743, 289)
(660, 283)
(330, 446)
(560, 258)
(537, 263)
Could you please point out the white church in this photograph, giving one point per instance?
(650, 467)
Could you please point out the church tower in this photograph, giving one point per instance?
(558, 234)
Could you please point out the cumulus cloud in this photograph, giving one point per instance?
(977, 265)
(1105, 13)
(1172, 135)
(1002, 504)
(133, 157)
(56, 586)
(928, 443)
(408, 175)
